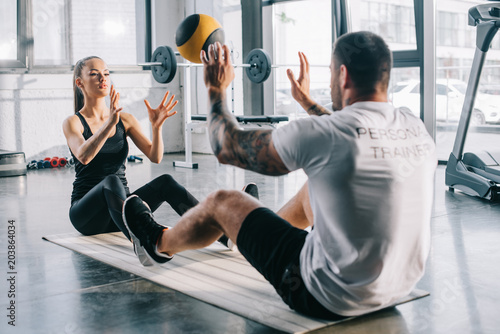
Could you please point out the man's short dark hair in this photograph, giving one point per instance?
(367, 59)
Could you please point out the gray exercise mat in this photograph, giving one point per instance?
(214, 275)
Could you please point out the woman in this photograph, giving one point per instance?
(97, 137)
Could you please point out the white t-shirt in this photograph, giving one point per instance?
(371, 182)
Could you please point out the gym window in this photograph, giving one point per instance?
(12, 52)
(48, 33)
(394, 22)
(455, 46)
(8, 39)
(301, 26)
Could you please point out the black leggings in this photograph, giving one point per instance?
(100, 210)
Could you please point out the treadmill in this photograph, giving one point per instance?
(476, 174)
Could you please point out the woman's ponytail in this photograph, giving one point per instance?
(78, 98)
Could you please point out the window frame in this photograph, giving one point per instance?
(423, 57)
(24, 40)
(25, 50)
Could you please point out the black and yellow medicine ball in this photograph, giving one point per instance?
(195, 33)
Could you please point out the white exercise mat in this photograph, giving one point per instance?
(214, 275)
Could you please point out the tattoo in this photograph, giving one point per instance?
(248, 149)
(254, 147)
(318, 110)
(222, 124)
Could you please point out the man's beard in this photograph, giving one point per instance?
(336, 96)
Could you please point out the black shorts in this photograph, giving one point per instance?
(273, 246)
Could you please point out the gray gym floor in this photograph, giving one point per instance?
(60, 291)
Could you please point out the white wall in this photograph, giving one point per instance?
(32, 108)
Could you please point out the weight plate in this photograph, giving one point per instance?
(166, 72)
(262, 65)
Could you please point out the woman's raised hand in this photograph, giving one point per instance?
(114, 108)
(158, 115)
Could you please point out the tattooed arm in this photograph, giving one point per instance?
(251, 149)
(318, 110)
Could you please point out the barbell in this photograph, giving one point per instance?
(257, 65)
(164, 65)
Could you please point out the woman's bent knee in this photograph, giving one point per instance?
(113, 184)
(164, 180)
(112, 180)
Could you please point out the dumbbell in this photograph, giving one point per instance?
(56, 162)
(133, 158)
(43, 164)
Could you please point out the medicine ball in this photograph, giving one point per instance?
(195, 33)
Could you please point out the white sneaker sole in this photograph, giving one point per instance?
(141, 253)
(232, 246)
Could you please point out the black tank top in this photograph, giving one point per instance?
(110, 160)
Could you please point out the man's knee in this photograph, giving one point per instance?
(220, 197)
(230, 203)
(233, 200)
(228, 209)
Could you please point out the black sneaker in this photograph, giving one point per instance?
(141, 253)
(144, 231)
(252, 190)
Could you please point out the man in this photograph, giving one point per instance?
(369, 193)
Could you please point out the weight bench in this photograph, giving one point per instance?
(198, 121)
(248, 119)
